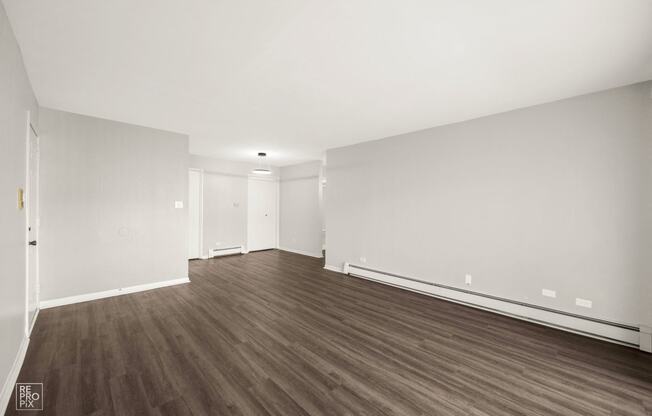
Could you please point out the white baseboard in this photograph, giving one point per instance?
(109, 293)
(303, 253)
(31, 324)
(217, 252)
(333, 268)
(10, 381)
(575, 324)
(646, 338)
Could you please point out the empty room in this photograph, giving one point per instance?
(296, 207)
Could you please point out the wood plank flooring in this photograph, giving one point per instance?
(274, 333)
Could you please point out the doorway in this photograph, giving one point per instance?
(195, 212)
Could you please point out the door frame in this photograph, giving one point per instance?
(28, 207)
(201, 209)
(278, 204)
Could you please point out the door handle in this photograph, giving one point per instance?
(32, 243)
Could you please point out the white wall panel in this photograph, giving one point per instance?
(555, 196)
(108, 216)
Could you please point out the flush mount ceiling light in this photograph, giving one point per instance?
(262, 168)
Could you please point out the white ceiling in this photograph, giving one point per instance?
(295, 77)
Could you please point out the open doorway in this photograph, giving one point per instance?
(195, 211)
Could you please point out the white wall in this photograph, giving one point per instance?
(225, 211)
(552, 196)
(16, 98)
(300, 211)
(108, 218)
(225, 200)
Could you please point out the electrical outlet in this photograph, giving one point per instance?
(218, 244)
(549, 293)
(178, 204)
(585, 303)
(468, 279)
(363, 259)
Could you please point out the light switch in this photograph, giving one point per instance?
(178, 204)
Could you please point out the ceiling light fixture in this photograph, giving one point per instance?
(262, 168)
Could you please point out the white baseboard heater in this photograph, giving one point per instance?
(225, 251)
(625, 334)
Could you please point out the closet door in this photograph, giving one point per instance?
(262, 214)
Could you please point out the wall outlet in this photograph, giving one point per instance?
(585, 303)
(549, 293)
(468, 279)
(178, 204)
(363, 259)
(218, 244)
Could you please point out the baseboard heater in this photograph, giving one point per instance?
(225, 251)
(620, 333)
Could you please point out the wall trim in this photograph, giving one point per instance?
(645, 343)
(299, 178)
(333, 268)
(10, 381)
(302, 252)
(219, 173)
(270, 178)
(52, 303)
(33, 323)
(273, 177)
(624, 335)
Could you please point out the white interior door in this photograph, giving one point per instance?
(262, 216)
(195, 213)
(32, 214)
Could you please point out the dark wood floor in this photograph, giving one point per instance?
(273, 333)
